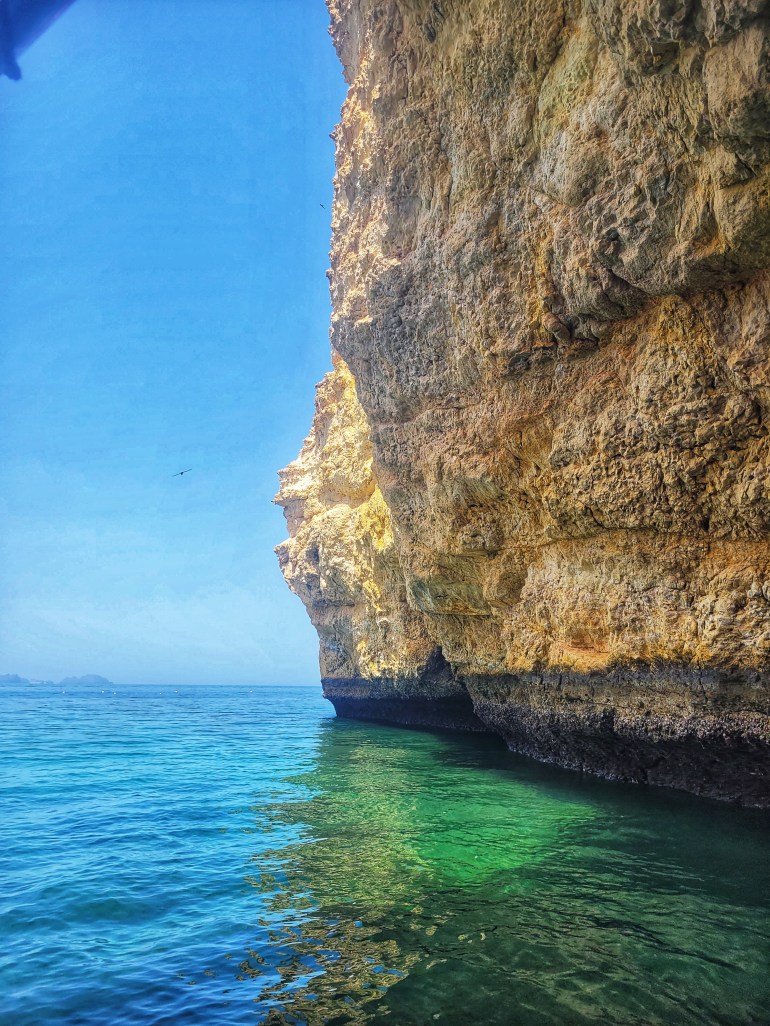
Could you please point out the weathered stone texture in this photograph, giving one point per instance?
(539, 475)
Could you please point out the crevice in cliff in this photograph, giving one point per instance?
(437, 668)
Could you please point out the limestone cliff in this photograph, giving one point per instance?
(537, 491)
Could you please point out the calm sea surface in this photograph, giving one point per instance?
(236, 855)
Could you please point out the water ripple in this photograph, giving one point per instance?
(227, 855)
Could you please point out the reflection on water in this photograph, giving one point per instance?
(440, 879)
(391, 876)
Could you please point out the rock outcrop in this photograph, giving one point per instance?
(536, 496)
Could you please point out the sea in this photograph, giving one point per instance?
(215, 856)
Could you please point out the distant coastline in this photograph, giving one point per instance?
(88, 680)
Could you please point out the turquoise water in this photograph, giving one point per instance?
(234, 855)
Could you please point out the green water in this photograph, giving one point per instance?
(443, 880)
(229, 856)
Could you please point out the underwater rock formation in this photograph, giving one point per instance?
(536, 495)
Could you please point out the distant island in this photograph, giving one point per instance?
(88, 680)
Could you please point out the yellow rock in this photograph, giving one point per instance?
(538, 481)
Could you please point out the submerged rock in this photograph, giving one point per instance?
(536, 495)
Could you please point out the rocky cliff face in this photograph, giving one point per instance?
(536, 496)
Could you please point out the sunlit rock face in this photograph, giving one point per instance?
(377, 658)
(538, 482)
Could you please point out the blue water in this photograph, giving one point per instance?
(234, 855)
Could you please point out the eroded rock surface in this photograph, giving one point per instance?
(538, 482)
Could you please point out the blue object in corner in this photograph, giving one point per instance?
(21, 23)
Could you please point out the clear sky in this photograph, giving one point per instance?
(163, 305)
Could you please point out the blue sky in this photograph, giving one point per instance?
(163, 304)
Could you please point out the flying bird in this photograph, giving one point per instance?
(180, 472)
